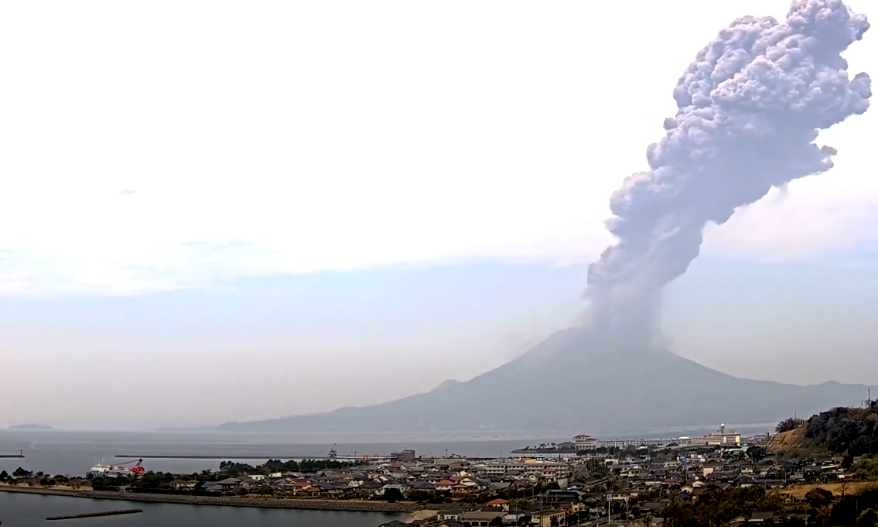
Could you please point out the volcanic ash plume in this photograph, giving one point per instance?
(749, 110)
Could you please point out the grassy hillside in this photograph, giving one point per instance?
(787, 441)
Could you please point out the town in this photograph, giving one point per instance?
(631, 485)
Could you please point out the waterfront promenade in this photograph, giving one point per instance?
(265, 503)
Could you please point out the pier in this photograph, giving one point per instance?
(94, 514)
(20, 455)
(196, 456)
(606, 443)
(371, 458)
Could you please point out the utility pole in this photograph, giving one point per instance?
(609, 509)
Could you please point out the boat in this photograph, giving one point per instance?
(104, 470)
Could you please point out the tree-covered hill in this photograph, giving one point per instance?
(852, 431)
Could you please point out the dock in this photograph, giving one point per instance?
(342, 457)
(196, 456)
(607, 443)
(94, 514)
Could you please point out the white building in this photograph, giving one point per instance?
(585, 442)
(528, 467)
(720, 437)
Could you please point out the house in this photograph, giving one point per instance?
(499, 504)
(228, 484)
(421, 485)
(757, 518)
(479, 518)
(444, 485)
(179, 484)
(548, 518)
(394, 523)
(746, 481)
(654, 507)
(296, 487)
(368, 488)
(557, 495)
(450, 514)
(311, 491)
(461, 489)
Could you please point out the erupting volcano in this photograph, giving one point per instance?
(749, 112)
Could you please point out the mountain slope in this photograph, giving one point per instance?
(575, 380)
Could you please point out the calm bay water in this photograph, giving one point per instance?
(26, 510)
(73, 453)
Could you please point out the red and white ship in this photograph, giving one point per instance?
(128, 468)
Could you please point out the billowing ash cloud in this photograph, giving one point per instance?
(749, 111)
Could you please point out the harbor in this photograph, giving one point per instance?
(32, 509)
(332, 455)
(584, 444)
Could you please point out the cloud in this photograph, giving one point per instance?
(307, 142)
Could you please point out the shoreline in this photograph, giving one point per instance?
(261, 503)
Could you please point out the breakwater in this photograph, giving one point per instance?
(94, 514)
(223, 457)
(222, 501)
(264, 503)
(39, 490)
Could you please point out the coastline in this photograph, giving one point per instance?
(262, 503)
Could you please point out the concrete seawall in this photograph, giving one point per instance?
(39, 490)
(265, 503)
(93, 514)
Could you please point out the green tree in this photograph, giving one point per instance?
(392, 495)
(788, 424)
(21, 473)
(421, 496)
(4, 476)
(265, 490)
(818, 497)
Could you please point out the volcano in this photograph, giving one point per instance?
(578, 380)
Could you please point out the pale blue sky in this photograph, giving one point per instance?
(219, 210)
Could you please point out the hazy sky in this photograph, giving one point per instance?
(234, 210)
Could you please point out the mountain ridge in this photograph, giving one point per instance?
(579, 380)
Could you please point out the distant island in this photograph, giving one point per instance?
(30, 427)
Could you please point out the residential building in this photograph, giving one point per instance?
(585, 443)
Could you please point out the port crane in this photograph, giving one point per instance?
(136, 469)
